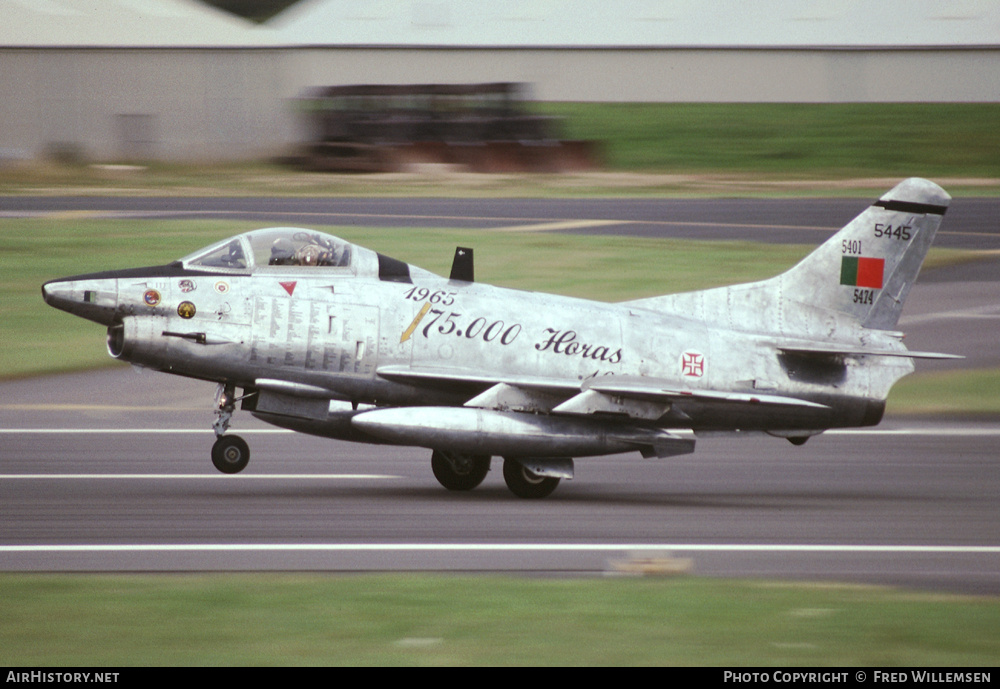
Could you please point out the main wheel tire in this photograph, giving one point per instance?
(524, 483)
(456, 471)
(230, 454)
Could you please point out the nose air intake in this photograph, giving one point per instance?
(116, 339)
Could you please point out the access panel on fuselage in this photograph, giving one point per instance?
(315, 336)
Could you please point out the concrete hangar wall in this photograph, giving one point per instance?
(675, 74)
(118, 80)
(655, 51)
(123, 104)
(172, 79)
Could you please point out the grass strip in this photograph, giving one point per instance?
(947, 393)
(828, 140)
(432, 620)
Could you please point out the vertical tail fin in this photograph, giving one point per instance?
(860, 276)
(866, 270)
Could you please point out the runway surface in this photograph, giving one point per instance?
(109, 471)
(970, 222)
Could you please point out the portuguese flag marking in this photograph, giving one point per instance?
(858, 271)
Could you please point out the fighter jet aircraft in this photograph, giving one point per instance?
(312, 333)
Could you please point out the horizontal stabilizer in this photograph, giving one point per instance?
(841, 350)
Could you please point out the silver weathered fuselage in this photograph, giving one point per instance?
(333, 339)
(329, 333)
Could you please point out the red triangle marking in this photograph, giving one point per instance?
(289, 287)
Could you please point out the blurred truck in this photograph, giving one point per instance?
(475, 127)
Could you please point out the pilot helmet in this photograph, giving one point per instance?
(309, 255)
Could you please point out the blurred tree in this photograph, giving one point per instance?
(254, 10)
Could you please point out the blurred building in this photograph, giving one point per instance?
(119, 80)
(174, 79)
(818, 51)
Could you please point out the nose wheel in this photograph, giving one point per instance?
(230, 453)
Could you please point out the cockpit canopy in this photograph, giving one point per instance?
(281, 247)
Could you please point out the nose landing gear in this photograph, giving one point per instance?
(230, 453)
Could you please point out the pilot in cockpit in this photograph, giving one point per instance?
(306, 250)
(314, 255)
(282, 253)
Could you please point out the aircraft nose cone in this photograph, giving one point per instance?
(57, 293)
(93, 299)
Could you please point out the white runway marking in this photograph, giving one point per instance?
(229, 477)
(499, 547)
(112, 431)
(942, 431)
(561, 225)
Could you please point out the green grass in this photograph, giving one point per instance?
(948, 393)
(826, 140)
(394, 620)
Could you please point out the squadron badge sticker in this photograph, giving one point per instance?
(186, 309)
(151, 297)
(187, 286)
(221, 287)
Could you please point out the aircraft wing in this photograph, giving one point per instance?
(652, 389)
(426, 376)
(638, 397)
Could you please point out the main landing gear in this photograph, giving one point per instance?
(456, 471)
(525, 483)
(460, 472)
(230, 453)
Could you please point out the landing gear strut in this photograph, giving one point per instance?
(230, 454)
(456, 471)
